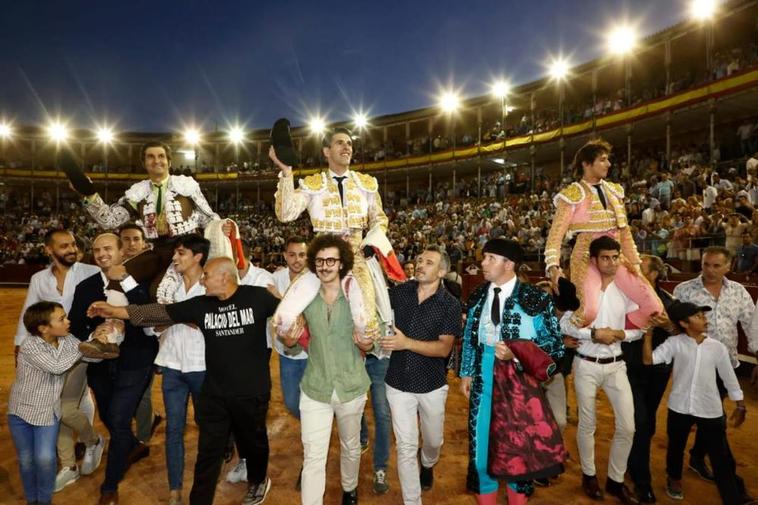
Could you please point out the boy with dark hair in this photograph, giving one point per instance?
(34, 410)
(695, 399)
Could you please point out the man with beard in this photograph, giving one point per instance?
(335, 382)
(57, 284)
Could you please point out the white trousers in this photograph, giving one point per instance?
(406, 409)
(316, 431)
(555, 392)
(588, 377)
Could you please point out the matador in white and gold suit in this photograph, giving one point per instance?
(354, 213)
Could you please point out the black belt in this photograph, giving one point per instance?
(602, 361)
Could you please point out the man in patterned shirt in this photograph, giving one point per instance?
(731, 303)
(427, 321)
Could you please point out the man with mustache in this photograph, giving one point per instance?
(57, 284)
(335, 382)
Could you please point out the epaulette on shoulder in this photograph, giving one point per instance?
(367, 182)
(616, 188)
(314, 183)
(532, 299)
(572, 194)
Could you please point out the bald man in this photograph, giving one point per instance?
(118, 383)
(237, 386)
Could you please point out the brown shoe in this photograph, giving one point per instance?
(108, 498)
(592, 487)
(620, 491)
(139, 452)
(99, 350)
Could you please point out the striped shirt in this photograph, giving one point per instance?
(36, 393)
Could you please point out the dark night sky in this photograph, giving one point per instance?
(157, 65)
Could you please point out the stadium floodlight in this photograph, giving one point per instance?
(500, 89)
(703, 10)
(317, 125)
(57, 132)
(236, 135)
(360, 120)
(449, 101)
(558, 69)
(192, 136)
(6, 130)
(105, 135)
(622, 40)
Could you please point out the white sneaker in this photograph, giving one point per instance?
(92, 457)
(66, 477)
(238, 473)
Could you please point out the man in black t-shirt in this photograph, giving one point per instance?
(236, 391)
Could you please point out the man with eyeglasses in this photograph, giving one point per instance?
(335, 381)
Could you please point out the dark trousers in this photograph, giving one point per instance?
(240, 449)
(218, 417)
(714, 438)
(648, 385)
(117, 393)
(700, 447)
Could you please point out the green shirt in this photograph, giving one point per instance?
(334, 361)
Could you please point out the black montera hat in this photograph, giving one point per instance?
(503, 247)
(566, 298)
(281, 139)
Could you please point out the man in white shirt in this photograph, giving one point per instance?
(731, 304)
(291, 366)
(710, 193)
(57, 284)
(182, 359)
(599, 363)
(695, 398)
(292, 360)
(649, 214)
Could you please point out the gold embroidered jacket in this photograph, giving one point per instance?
(319, 194)
(579, 210)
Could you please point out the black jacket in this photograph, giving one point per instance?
(137, 350)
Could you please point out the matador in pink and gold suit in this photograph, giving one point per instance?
(580, 212)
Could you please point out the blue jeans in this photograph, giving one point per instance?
(35, 447)
(290, 374)
(177, 387)
(377, 369)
